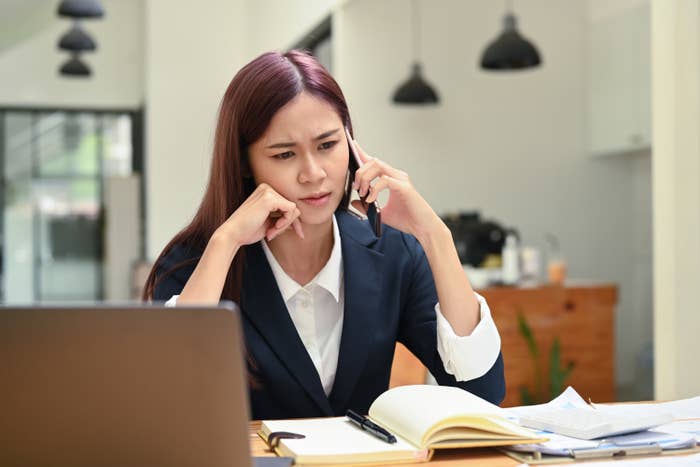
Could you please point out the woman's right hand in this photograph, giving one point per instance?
(265, 214)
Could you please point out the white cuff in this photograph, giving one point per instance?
(172, 301)
(468, 357)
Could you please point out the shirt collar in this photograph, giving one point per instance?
(329, 277)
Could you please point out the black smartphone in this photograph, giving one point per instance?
(374, 213)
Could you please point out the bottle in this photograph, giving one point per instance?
(530, 265)
(556, 266)
(509, 256)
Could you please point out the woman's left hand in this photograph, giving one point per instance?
(406, 210)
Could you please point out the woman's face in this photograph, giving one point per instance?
(303, 155)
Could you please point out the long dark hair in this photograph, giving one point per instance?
(252, 98)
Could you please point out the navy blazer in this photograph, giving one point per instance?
(389, 297)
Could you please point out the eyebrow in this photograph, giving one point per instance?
(292, 144)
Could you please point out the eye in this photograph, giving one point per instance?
(327, 145)
(283, 155)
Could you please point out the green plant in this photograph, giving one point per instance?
(557, 373)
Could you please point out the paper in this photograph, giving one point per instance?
(566, 400)
(691, 427)
(684, 408)
(680, 409)
(665, 461)
(670, 436)
(559, 445)
(333, 436)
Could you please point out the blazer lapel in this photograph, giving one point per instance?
(362, 275)
(263, 305)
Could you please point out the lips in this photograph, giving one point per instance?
(317, 199)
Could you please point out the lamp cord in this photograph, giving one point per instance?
(416, 30)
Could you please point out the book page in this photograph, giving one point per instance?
(336, 438)
(411, 411)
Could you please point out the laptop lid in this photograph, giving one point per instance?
(122, 385)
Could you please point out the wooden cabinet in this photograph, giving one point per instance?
(581, 317)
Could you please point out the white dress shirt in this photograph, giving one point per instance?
(317, 308)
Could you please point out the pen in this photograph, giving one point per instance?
(367, 425)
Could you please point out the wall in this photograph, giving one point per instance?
(30, 60)
(191, 54)
(512, 145)
(676, 201)
(277, 25)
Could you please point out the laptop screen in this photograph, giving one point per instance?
(122, 385)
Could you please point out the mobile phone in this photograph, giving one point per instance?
(374, 214)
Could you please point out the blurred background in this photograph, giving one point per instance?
(546, 152)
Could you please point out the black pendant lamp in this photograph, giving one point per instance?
(415, 91)
(75, 67)
(510, 50)
(81, 9)
(76, 40)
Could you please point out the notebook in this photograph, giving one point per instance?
(135, 385)
(422, 417)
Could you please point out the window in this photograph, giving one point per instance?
(54, 165)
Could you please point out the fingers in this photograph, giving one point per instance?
(296, 225)
(364, 157)
(383, 183)
(279, 212)
(288, 219)
(372, 169)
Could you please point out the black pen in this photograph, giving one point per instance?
(370, 427)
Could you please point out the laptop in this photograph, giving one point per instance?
(133, 385)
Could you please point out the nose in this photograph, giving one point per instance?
(311, 170)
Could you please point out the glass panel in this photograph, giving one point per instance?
(117, 145)
(18, 138)
(68, 225)
(51, 233)
(67, 144)
(17, 210)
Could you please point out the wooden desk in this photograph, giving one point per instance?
(443, 458)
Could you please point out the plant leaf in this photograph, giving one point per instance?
(526, 332)
(525, 396)
(557, 374)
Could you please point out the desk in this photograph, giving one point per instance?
(442, 458)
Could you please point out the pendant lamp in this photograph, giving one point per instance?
(81, 9)
(76, 40)
(75, 67)
(510, 50)
(415, 91)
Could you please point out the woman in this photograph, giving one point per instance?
(324, 300)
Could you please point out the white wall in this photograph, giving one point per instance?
(277, 25)
(510, 145)
(29, 65)
(676, 170)
(192, 53)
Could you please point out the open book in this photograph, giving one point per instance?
(422, 417)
